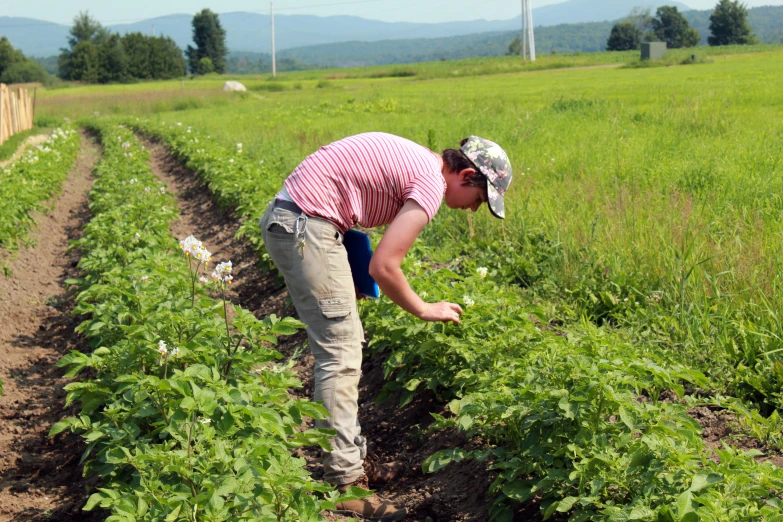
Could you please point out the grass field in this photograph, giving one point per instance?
(646, 200)
(641, 173)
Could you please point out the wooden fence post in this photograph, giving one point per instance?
(16, 112)
(2, 113)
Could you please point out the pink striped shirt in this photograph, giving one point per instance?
(366, 179)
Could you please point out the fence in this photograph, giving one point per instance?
(16, 112)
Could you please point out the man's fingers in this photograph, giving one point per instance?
(457, 308)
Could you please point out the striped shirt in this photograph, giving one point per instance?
(366, 179)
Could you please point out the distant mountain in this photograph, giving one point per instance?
(251, 32)
(580, 11)
(767, 23)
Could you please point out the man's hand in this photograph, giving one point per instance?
(441, 312)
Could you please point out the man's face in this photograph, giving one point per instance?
(459, 195)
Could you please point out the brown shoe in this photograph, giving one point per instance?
(372, 508)
(381, 473)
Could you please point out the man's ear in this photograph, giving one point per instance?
(466, 173)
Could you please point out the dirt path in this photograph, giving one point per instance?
(30, 141)
(457, 493)
(40, 479)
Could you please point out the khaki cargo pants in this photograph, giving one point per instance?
(321, 286)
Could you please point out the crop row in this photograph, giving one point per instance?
(32, 179)
(573, 416)
(184, 407)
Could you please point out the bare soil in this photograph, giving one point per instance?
(40, 478)
(394, 433)
(720, 426)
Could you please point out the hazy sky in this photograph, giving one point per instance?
(109, 12)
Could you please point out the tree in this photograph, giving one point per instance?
(166, 60)
(25, 72)
(729, 24)
(642, 18)
(625, 36)
(515, 47)
(15, 67)
(8, 55)
(210, 40)
(205, 66)
(84, 29)
(139, 56)
(671, 27)
(84, 62)
(112, 61)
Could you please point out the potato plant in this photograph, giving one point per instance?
(31, 180)
(186, 407)
(572, 414)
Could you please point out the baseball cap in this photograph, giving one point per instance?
(492, 161)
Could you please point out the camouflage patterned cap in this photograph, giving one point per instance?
(492, 161)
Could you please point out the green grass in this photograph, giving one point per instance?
(655, 184)
(8, 148)
(655, 171)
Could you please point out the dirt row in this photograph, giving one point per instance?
(41, 480)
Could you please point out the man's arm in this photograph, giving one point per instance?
(386, 262)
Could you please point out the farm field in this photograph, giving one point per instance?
(621, 360)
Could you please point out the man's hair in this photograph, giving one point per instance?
(456, 161)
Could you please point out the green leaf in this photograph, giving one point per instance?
(93, 501)
(174, 514)
(627, 418)
(519, 490)
(566, 504)
(703, 480)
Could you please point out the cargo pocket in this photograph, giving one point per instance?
(337, 320)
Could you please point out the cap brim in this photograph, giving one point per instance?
(495, 202)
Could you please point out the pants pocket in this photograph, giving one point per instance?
(336, 314)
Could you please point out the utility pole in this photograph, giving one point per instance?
(530, 32)
(272, 16)
(528, 36)
(523, 39)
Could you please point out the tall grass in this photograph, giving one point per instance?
(660, 186)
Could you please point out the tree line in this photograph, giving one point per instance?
(96, 55)
(728, 26)
(15, 67)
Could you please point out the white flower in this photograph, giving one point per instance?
(204, 420)
(125, 144)
(193, 247)
(231, 160)
(174, 352)
(162, 350)
(203, 280)
(468, 301)
(482, 271)
(179, 124)
(133, 180)
(146, 189)
(222, 272)
(162, 190)
(144, 278)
